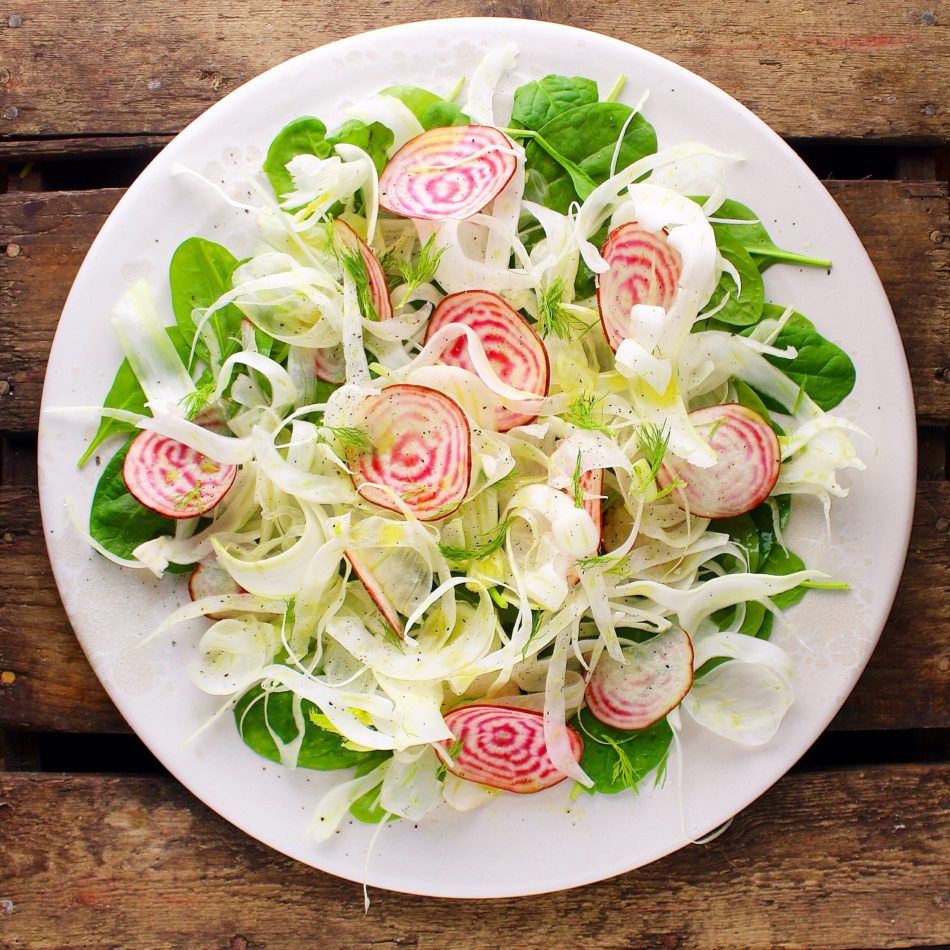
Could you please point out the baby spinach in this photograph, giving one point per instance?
(617, 759)
(779, 562)
(442, 114)
(744, 306)
(117, 521)
(303, 136)
(538, 102)
(432, 111)
(748, 397)
(821, 368)
(585, 283)
(126, 393)
(199, 273)
(321, 749)
(743, 530)
(373, 138)
(755, 238)
(584, 137)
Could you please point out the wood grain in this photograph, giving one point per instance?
(44, 238)
(853, 70)
(55, 689)
(837, 859)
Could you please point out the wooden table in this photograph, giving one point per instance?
(99, 848)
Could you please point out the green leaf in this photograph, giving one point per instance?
(538, 102)
(585, 137)
(781, 562)
(585, 283)
(374, 139)
(744, 306)
(321, 749)
(616, 759)
(742, 529)
(443, 114)
(416, 99)
(126, 393)
(366, 808)
(199, 273)
(117, 521)
(821, 367)
(749, 398)
(303, 136)
(755, 239)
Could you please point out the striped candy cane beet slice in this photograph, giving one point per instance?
(504, 747)
(644, 269)
(347, 239)
(209, 579)
(329, 364)
(640, 692)
(747, 469)
(421, 451)
(447, 173)
(514, 350)
(368, 579)
(173, 479)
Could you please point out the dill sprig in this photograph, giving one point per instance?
(352, 261)
(654, 442)
(451, 754)
(623, 769)
(536, 619)
(185, 499)
(194, 403)
(420, 271)
(581, 413)
(576, 483)
(493, 542)
(348, 437)
(554, 317)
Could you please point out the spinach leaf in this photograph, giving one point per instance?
(743, 308)
(749, 398)
(303, 136)
(743, 530)
(199, 273)
(374, 139)
(432, 111)
(781, 562)
(755, 239)
(822, 368)
(585, 283)
(416, 99)
(538, 102)
(117, 521)
(366, 808)
(616, 759)
(126, 393)
(321, 749)
(443, 114)
(586, 137)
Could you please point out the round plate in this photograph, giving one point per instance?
(518, 844)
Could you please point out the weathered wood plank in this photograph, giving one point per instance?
(55, 690)
(44, 237)
(92, 146)
(151, 67)
(834, 859)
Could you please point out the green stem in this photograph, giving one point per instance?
(616, 89)
(790, 257)
(825, 585)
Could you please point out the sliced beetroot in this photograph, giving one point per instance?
(503, 747)
(329, 364)
(346, 237)
(173, 479)
(368, 579)
(657, 675)
(421, 450)
(592, 486)
(644, 269)
(447, 173)
(209, 579)
(747, 469)
(514, 350)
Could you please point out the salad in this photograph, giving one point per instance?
(479, 466)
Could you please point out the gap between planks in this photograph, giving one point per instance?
(864, 71)
(44, 237)
(837, 859)
(54, 688)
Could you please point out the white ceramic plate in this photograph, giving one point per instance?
(518, 844)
